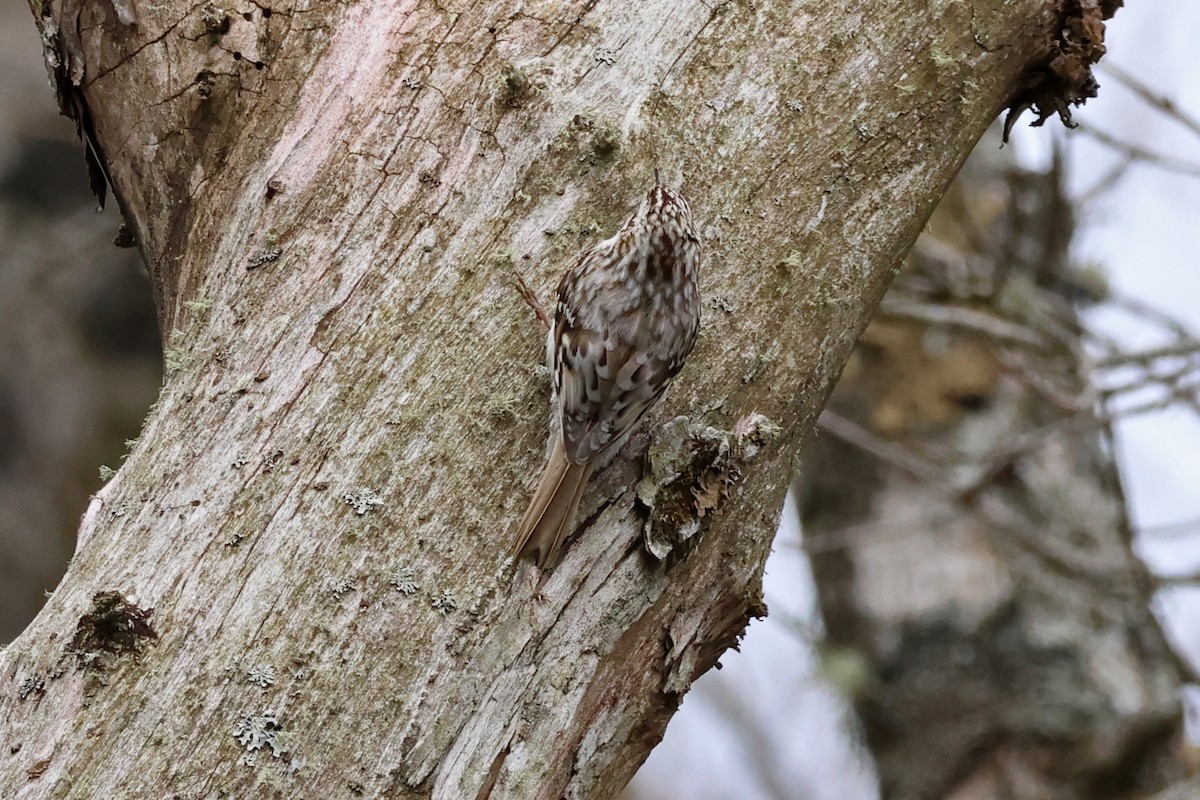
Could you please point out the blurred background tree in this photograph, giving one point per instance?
(80, 361)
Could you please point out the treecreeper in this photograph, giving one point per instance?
(625, 320)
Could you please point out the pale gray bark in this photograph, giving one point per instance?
(968, 532)
(330, 198)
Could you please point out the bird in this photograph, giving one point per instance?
(626, 317)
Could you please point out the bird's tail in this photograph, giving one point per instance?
(552, 509)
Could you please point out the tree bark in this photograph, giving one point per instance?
(299, 583)
(968, 532)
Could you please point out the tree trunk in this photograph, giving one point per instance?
(300, 583)
(967, 528)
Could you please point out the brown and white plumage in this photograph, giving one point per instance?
(626, 318)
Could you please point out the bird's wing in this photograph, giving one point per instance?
(605, 385)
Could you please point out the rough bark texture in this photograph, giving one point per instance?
(298, 584)
(968, 531)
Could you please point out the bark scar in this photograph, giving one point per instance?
(112, 629)
(690, 470)
(1065, 78)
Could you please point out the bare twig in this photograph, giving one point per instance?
(1151, 97)
(1184, 347)
(964, 319)
(1147, 376)
(1036, 378)
(1150, 314)
(1184, 579)
(1171, 530)
(1064, 560)
(897, 455)
(531, 298)
(851, 535)
(1139, 153)
(1149, 407)
(1106, 183)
